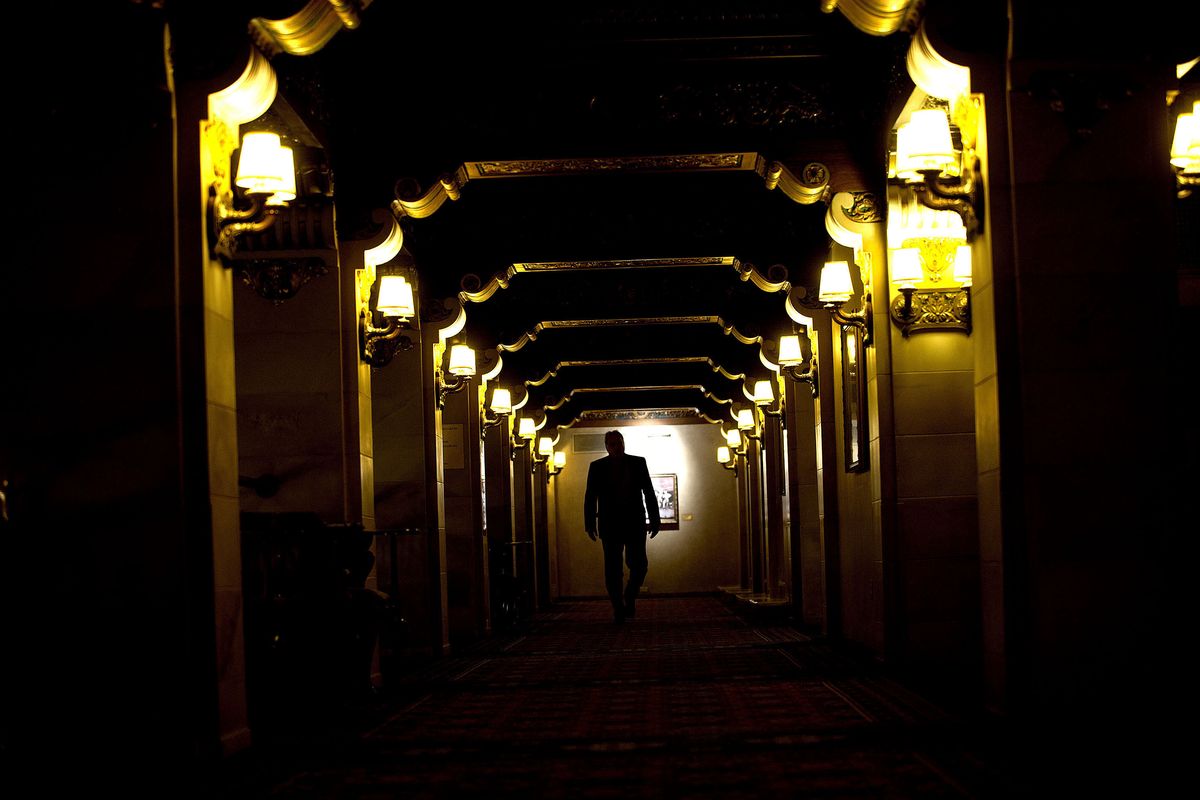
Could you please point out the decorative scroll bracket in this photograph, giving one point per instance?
(918, 310)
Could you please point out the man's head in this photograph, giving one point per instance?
(614, 443)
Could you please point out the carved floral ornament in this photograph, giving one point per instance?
(864, 207)
(623, 414)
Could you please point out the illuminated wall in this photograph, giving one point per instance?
(698, 557)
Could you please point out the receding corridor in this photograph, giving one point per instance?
(862, 332)
(688, 699)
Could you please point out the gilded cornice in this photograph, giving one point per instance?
(527, 168)
(679, 387)
(619, 362)
(635, 362)
(501, 280)
(639, 414)
(749, 272)
(246, 98)
(692, 319)
(933, 73)
(539, 328)
(810, 186)
(624, 362)
(654, 388)
(308, 30)
(877, 17)
(632, 263)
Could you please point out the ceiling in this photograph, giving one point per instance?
(617, 239)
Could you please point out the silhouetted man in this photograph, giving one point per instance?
(617, 484)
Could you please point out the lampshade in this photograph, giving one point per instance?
(1185, 146)
(734, 438)
(763, 395)
(560, 459)
(261, 165)
(723, 454)
(395, 297)
(905, 266)
(462, 360)
(501, 401)
(962, 264)
(924, 143)
(285, 192)
(745, 419)
(789, 350)
(545, 446)
(836, 286)
(526, 428)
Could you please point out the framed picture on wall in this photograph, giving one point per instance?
(854, 398)
(666, 487)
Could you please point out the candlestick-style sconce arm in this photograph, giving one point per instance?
(378, 343)
(461, 369)
(797, 360)
(266, 176)
(501, 407)
(926, 161)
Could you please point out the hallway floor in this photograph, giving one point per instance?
(686, 700)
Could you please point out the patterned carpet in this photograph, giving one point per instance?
(687, 700)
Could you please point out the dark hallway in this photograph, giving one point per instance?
(689, 699)
(898, 300)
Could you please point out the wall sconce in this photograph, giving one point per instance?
(526, 430)
(461, 368)
(925, 160)
(543, 454)
(725, 457)
(795, 364)
(930, 308)
(396, 306)
(736, 442)
(747, 423)
(556, 464)
(835, 291)
(501, 406)
(266, 174)
(1185, 150)
(764, 399)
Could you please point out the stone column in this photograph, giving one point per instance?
(541, 537)
(432, 354)
(825, 431)
(498, 480)
(754, 488)
(745, 560)
(466, 544)
(523, 530)
(1088, 435)
(775, 583)
(808, 574)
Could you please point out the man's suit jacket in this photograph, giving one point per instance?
(616, 488)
